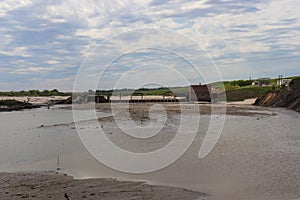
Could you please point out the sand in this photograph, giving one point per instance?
(256, 158)
(51, 185)
(245, 102)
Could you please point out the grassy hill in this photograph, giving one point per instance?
(240, 94)
(236, 90)
(178, 91)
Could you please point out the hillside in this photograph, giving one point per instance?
(242, 93)
(236, 90)
(287, 97)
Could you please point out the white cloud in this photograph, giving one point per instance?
(6, 40)
(9, 5)
(16, 51)
(45, 34)
(29, 70)
(52, 62)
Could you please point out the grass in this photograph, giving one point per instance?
(23, 93)
(221, 85)
(233, 91)
(241, 94)
(178, 91)
(236, 93)
(296, 81)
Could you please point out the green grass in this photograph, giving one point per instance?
(179, 91)
(34, 93)
(221, 85)
(243, 93)
(296, 81)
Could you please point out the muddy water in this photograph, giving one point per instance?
(257, 157)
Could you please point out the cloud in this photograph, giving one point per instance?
(7, 6)
(50, 39)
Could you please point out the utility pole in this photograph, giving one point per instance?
(280, 78)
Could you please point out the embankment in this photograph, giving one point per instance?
(286, 97)
(14, 105)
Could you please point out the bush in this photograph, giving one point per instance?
(241, 83)
(22, 93)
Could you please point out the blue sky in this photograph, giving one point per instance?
(44, 43)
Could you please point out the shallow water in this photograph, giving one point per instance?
(255, 158)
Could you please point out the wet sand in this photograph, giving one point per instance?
(257, 156)
(51, 185)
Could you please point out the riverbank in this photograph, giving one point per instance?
(13, 105)
(286, 97)
(35, 100)
(52, 185)
(8, 104)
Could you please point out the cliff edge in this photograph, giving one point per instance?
(287, 97)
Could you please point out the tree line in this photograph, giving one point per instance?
(53, 92)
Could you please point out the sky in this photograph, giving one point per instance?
(47, 44)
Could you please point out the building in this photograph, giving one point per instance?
(199, 93)
(285, 82)
(256, 83)
(97, 98)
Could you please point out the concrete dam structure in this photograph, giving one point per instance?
(134, 99)
(196, 93)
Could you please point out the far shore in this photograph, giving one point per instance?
(36, 100)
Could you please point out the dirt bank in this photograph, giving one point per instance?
(51, 185)
(287, 97)
(13, 105)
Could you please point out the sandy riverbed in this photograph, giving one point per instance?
(256, 157)
(51, 185)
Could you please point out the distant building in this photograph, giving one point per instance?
(284, 82)
(98, 98)
(199, 93)
(256, 83)
(262, 82)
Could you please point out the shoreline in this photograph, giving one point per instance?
(54, 185)
(35, 100)
(43, 101)
(27, 103)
